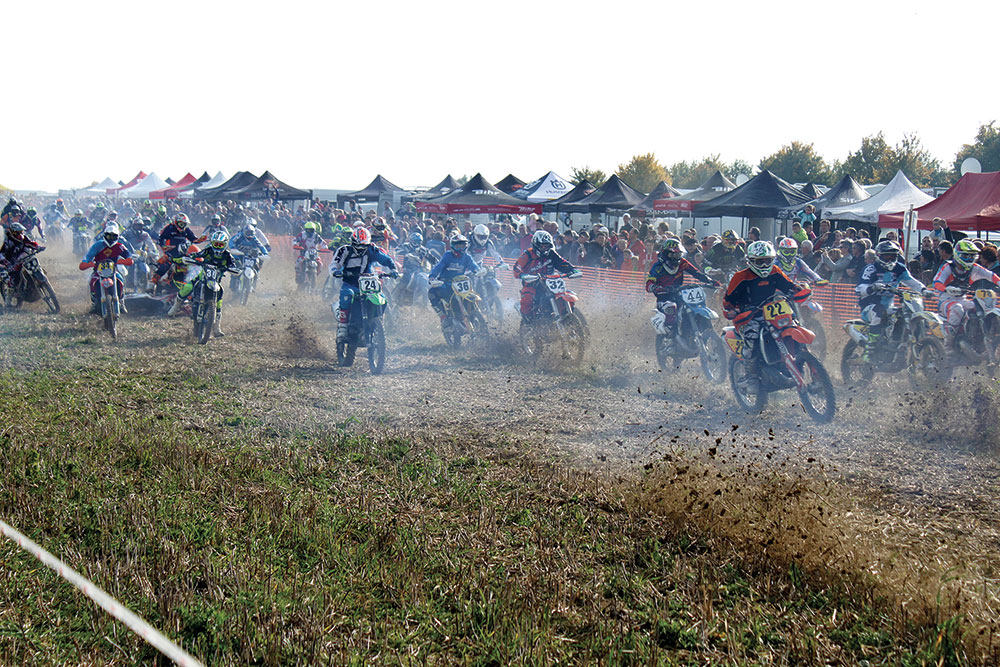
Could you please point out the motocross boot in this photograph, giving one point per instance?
(175, 307)
(751, 377)
(871, 345)
(217, 328)
(342, 332)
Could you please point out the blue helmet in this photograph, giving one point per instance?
(248, 231)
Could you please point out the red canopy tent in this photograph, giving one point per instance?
(972, 204)
(174, 190)
(138, 177)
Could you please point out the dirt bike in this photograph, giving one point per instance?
(29, 283)
(245, 282)
(554, 319)
(489, 287)
(912, 339)
(81, 242)
(684, 331)
(463, 316)
(784, 361)
(974, 342)
(108, 279)
(365, 324)
(310, 269)
(205, 299)
(138, 277)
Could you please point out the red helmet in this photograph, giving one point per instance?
(181, 220)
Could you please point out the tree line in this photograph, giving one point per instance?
(874, 161)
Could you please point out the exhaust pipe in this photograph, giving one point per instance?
(855, 335)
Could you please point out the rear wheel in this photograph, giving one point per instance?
(376, 347)
(713, 356)
(854, 370)
(749, 400)
(817, 396)
(928, 367)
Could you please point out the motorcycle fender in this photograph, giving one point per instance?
(734, 342)
(815, 307)
(212, 285)
(659, 322)
(706, 312)
(472, 297)
(248, 272)
(377, 298)
(569, 297)
(106, 283)
(799, 334)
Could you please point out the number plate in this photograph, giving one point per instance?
(556, 285)
(105, 269)
(369, 284)
(776, 309)
(693, 295)
(211, 273)
(462, 285)
(985, 294)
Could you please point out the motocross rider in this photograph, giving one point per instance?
(214, 225)
(138, 239)
(747, 290)
(31, 222)
(382, 236)
(539, 259)
(667, 274)
(349, 262)
(216, 254)
(957, 275)
(455, 262)
(15, 243)
(727, 255)
(97, 216)
(170, 239)
(887, 271)
(78, 223)
(107, 247)
(160, 220)
(308, 239)
(793, 265)
(247, 242)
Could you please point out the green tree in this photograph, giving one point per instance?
(737, 167)
(692, 174)
(871, 161)
(986, 149)
(643, 172)
(877, 162)
(797, 162)
(580, 174)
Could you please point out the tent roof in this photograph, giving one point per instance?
(135, 180)
(510, 183)
(579, 191)
(185, 183)
(477, 196)
(447, 184)
(238, 180)
(614, 195)
(760, 197)
(102, 187)
(714, 185)
(813, 190)
(265, 184)
(213, 182)
(898, 195)
(378, 188)
(663, 190)
(972, 204)
(142, 189)
(548, 187)
(847, 191)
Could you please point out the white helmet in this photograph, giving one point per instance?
(541, 242)
(481, 233)
(788, 252)
(111, 234)
(760, 257)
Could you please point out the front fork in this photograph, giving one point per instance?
(788, 360)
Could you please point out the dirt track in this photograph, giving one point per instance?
(615, 415)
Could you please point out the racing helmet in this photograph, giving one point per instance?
(459, 244)
(248, 231)
(670, 254)
(311, 228)
(966, 254)
(111, 234)
(78, 213)
(15, 230)
(219, 240)
(361, 239)
(730, 239)
(542, 243)
(788, 251)
(216, 219)
(760, 257)
(887, 253)
(32, 212)
(481, 234)
(181, 220)
(417, 239)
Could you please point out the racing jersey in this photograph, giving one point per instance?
(747, 290)
(451, 266)
(946, 276)
(530, 263)
(661, 280)
(897, 274)
(352, 263)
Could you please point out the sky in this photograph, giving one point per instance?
(326, 95)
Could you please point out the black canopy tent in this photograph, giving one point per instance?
(509, 183)
(579, 191)
(477, 196)
(716, 184)
(760, 197)
(447, 184)
(375, 191)
(663, 190)
(268, 187)
(240, 179)
(846, 191)
(813, 190)
(614, 195)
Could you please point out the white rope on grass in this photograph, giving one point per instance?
(103, 600)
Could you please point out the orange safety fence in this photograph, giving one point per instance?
(839, 300)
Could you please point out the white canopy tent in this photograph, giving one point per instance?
(142, 189)
(101, 188)
(548, 187)
(897, 195)
(213, 182)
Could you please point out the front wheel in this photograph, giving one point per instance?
(713, 356)
(663, 351)
(751, 400)
(816, 394)
(376, 347)
(576, 336)
(928, 367)
(207, 322)
(48, 295)
(245, 287)
(109, 316)
(345, 354)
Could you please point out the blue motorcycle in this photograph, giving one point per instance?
(684, 330)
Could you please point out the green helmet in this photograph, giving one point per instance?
(966, 253)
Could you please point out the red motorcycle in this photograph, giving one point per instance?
(555, 319)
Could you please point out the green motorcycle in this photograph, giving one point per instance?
(365, 324)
